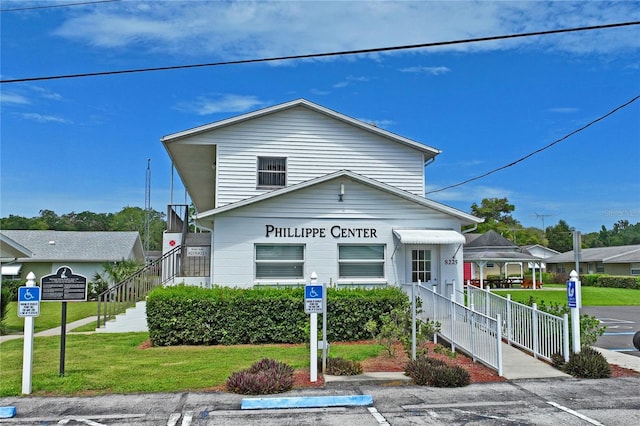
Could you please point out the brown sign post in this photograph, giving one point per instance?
(63, 286)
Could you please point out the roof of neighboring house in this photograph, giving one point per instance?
(12, 249)
(466, 218)
(616, 254)
(77, 246)
(489, 239)
(492, 246)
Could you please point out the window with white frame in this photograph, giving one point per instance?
(272, 172)
(635, 270)
(361, 261)
(279, 261)
(599, 267)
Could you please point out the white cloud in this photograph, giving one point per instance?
(43, 118)
(427, 70)
(564, 110)
(204, 105)
(251, 29)
(13, 98)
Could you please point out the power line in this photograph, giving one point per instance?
(324, 55)
(513, 163)
(51, 6)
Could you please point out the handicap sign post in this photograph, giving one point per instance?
(29, 304)
(313, 305)
(574, 301)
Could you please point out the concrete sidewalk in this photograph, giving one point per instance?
(56, 331)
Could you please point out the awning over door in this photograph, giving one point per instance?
(11, 269)
(429, 236)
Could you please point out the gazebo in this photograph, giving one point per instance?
(491, 247)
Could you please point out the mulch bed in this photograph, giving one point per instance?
(478, 372)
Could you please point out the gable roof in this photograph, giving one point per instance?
(11, 249)
(196, 162)
(615, 254)
(77, 246)
(465, 218)
(430, 151)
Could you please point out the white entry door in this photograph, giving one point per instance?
(422, 264)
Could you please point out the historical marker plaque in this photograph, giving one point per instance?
(64, 286)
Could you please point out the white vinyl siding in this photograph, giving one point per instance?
(314, 145)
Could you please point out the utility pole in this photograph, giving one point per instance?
(542, 216)
(147, 209)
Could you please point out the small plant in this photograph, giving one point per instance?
(396, 328)
(557, 360)
(343, 367)
(588, 364)
(435, 372)
(264, 377)
(439, 349)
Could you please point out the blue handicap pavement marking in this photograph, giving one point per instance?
(7, 412)
(306, 402)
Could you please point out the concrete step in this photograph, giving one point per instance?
(133, 320)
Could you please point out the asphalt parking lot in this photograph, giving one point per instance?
(565, 401)
(622, 323)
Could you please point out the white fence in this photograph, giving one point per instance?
(537, 332)
(473, 332)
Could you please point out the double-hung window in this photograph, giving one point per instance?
(272, 172)
(361, 261)
(279, 261)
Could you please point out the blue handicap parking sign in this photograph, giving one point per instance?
(313, 292)
(571, 294)
(28, 294)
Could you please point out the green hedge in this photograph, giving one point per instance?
(184, 315)
(615, 281)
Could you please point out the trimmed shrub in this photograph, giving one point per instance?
(557, 360)
(185, 315)
(588, 364)
(343, 367)
(618, 281)
(450, 377)
(264, 377)
(436, 372)
(5, 298)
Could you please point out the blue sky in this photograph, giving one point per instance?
(82, 143)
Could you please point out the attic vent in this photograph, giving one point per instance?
(52, 243)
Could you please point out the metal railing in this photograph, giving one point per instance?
(535, 331)
(473, 332)
(135, 288)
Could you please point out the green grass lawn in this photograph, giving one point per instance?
(591, 296)
(115, 363)
(50, 315)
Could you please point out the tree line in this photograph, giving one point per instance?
(497, 213)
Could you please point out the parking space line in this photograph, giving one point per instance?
(187, 419)
(379, 417)
(173, 419)
(575, 413)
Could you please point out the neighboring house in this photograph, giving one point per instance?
(83, 252)
(617, 260)
(492, 254)
(10, 252)
(297, 188)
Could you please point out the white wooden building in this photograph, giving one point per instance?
(298, 188)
